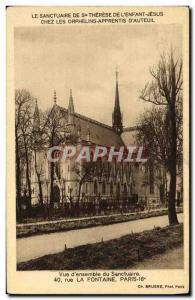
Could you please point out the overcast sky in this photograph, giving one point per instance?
(84, 58)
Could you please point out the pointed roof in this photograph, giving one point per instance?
(71, 104)
(117, 116)
(36, 117)
(117, 104)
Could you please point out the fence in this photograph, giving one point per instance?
(88, 206)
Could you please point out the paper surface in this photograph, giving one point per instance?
(104, 55)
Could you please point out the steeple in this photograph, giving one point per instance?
(71, 104)
(116, 115)
(71, 127)
(71, 109)
(36, 118)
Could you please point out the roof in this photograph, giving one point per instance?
(100, 134)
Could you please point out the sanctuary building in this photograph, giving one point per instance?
(71, 182)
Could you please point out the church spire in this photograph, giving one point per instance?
(71, 109)
(116, 115)
(71, 104)
(71, 129)
(36, 118)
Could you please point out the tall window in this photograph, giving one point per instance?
(95, 187)
(111, 188)
(118, 189)
(103, 188)
(125, 189)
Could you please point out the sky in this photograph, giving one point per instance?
(84, 59)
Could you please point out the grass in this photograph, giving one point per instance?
(63, 225)
(122, 253)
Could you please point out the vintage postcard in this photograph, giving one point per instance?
(97, 150)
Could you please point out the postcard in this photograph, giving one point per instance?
(97, 150)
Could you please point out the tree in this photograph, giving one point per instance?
(53, 135)
(85, 173)
(153, 133)
(23, 125)
(166, 89)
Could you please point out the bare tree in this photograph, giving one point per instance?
(153, 133)
(39, 173)
(85, 172)
(54, 135)
(165, 89)
(23, 123)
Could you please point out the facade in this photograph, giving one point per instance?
(109, 181)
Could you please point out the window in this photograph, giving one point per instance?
(95, 187)
(103, 188)
(118, 189)
(111, 188)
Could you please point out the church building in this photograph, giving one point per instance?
(68, 181)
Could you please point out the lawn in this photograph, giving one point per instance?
(122, 253)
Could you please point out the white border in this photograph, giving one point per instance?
(3, 4)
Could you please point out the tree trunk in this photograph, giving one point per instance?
(79, 193)
(51, 185)
(39, 182)
(28, 176)
(172, 167)
(18, 181)
(40, 190)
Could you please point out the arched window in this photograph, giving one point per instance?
(111, 188)
(95, 187)
(103, 188)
